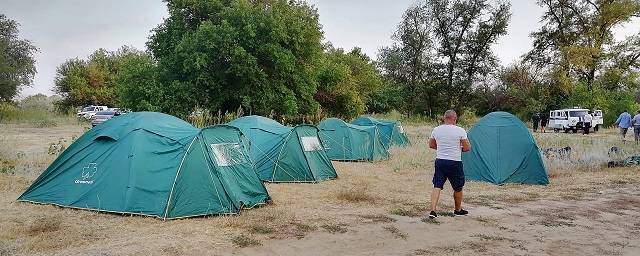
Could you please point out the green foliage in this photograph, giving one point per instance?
(87, 82)
(346, 82)
(224, 54)
(137, 85)
(17, 64)
(442, 48)
(576, 42)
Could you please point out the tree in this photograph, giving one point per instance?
(576, 44)
(17, 65)
(465, 30)
(137, 85)
(409, 62)
(346, 81)
(442, 48)
(92, 81)
(222, 54)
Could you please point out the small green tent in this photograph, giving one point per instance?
(285, 154)
(503, 151)
(391, 131)
(344, 141)
(155, 165)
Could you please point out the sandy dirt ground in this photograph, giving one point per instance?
(371, 209)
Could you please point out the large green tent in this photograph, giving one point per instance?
(285, 154)
(391, 131)
(344, 141)
(152, 164)
(503, 151)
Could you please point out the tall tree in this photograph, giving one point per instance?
(91, 81)
(222, 54)
(17, 65)
(465, 30)
(575, 41)
(442, 48)
(346, 81)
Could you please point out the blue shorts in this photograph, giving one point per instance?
(448, 170)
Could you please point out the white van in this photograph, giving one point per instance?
(570, 119)
(598, 120)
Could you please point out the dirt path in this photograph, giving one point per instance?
(606, 224)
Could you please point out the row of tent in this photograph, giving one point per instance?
(158, 165)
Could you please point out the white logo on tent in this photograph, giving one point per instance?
(401, 128)
(87, 173)
(311, 143)
(228, 154)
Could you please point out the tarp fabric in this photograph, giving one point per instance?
(285, 154)
(150, 164)
(391, 131)
(344, 141)
(503, 151)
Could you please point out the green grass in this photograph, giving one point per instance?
(41, 118)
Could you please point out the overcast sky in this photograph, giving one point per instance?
(75, 28)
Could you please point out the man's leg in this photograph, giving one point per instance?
(435, 197)
(439, 179)
(457, 199)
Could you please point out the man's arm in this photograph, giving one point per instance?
(466, 146)
(433, 144)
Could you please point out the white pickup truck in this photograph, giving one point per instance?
(90, 111)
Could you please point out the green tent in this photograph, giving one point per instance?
(155, 165)
(391, 131)
(285, 154)
(344, 141)
(503, 151)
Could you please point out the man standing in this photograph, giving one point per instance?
(586, 122)
(544, 119)
(536, 120)
(624, 122)
(449, 141)
(636, 126)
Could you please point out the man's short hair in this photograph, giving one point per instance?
(450, 114)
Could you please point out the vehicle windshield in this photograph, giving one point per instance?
(577, 113)
(106, 113)
(597, 113)
(88, 109)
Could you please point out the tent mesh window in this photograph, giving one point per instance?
(228, 154)
(311, 143)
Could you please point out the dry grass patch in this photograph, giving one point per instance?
(261, 229)
(335, 228)
(396, 232)
(486, 237)
(44, 225)
(409, 209)
(430, 221)
(355, 196)
(378, 218)
(245, 241)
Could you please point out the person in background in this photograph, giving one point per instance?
(449, 141)
(636, 127)
(624, 122)
(536, 120)
(544, 118)
(586, 122)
